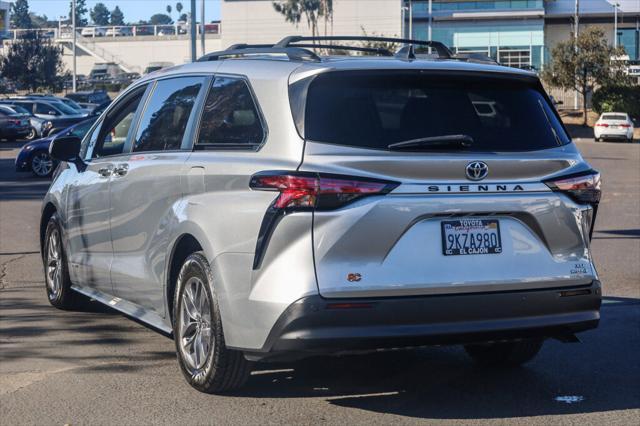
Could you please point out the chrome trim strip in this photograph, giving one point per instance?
(130, 309)
(434, 188)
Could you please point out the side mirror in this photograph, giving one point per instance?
(65, 148)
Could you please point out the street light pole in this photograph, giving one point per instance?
(576, 29)
(73, 28)
(615, 24)
(430, 20)
(192, 29)
(202, 27)
(411, 19)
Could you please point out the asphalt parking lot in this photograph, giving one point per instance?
(98, 367)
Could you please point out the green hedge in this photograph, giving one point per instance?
(618, 99)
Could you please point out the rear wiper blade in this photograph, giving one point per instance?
(434, 142)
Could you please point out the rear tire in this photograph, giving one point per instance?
(33, 135)
(204, 359)
(507, 354)
(57, 281)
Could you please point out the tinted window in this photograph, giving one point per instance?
(374, 110)
(614, 117)
(115, 128)
(45, 109)
(230, 117)
(167, 113)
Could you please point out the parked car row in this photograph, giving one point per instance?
(36, 116)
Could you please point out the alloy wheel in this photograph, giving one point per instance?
(196, 338)
(41, 164)
(54, 264)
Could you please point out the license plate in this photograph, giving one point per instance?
(470, 236)
(613, 126)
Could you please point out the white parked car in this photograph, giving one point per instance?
(613, 125)
(93, 32)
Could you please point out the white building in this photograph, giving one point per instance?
(256, 21)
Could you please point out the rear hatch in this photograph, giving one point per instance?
(468, 201)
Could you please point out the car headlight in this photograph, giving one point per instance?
(47, 125)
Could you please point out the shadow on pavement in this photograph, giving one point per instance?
(602, 374)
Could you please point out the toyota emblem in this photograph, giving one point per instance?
(477, 170)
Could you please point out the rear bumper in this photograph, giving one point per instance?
(314, 325)
(16, 132)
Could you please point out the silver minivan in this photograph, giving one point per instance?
(269, 203)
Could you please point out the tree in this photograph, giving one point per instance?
(179, 7)
(20, 14)
(100, 15)
(81, 12)
(117, 17)
(34, 62)
(184, 18)
(160, 19)
(169, 9)
(311, 10)
(585, 66)
(42, 21)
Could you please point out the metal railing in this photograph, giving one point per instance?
(114, 31)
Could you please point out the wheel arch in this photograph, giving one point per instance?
(183, 246)
(49, 210)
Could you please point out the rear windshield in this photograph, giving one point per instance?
(614, 117)
(374, 110)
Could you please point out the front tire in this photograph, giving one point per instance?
(41, 164)
(506, 354)
(204, 359)
(58, 283)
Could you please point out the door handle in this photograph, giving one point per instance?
(105, 171)
(121, 169)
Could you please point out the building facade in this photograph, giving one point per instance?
(520, 33)
(257, 21)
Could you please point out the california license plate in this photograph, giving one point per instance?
(470, 236)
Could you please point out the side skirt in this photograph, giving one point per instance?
(136, 312)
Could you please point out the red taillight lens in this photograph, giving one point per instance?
(301, 190)
(602, 125)
(16, 122)
(584, 188)
(626, 126)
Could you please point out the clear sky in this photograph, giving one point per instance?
(134, 10)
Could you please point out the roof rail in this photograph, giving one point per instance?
(297, 48)
(475, 57)
(441, 49)
(293, 53)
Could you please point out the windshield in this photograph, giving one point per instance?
(71, 104)
(81, 129)
(64, 108)
(376, 109)
(20, 110)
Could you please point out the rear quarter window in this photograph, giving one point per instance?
(375, 109)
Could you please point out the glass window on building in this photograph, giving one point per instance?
(628, 38)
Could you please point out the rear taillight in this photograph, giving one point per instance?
(16, 122)
(602, 125)
(302, 190)
(582, 188)
(305, 191)
(626, 126)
